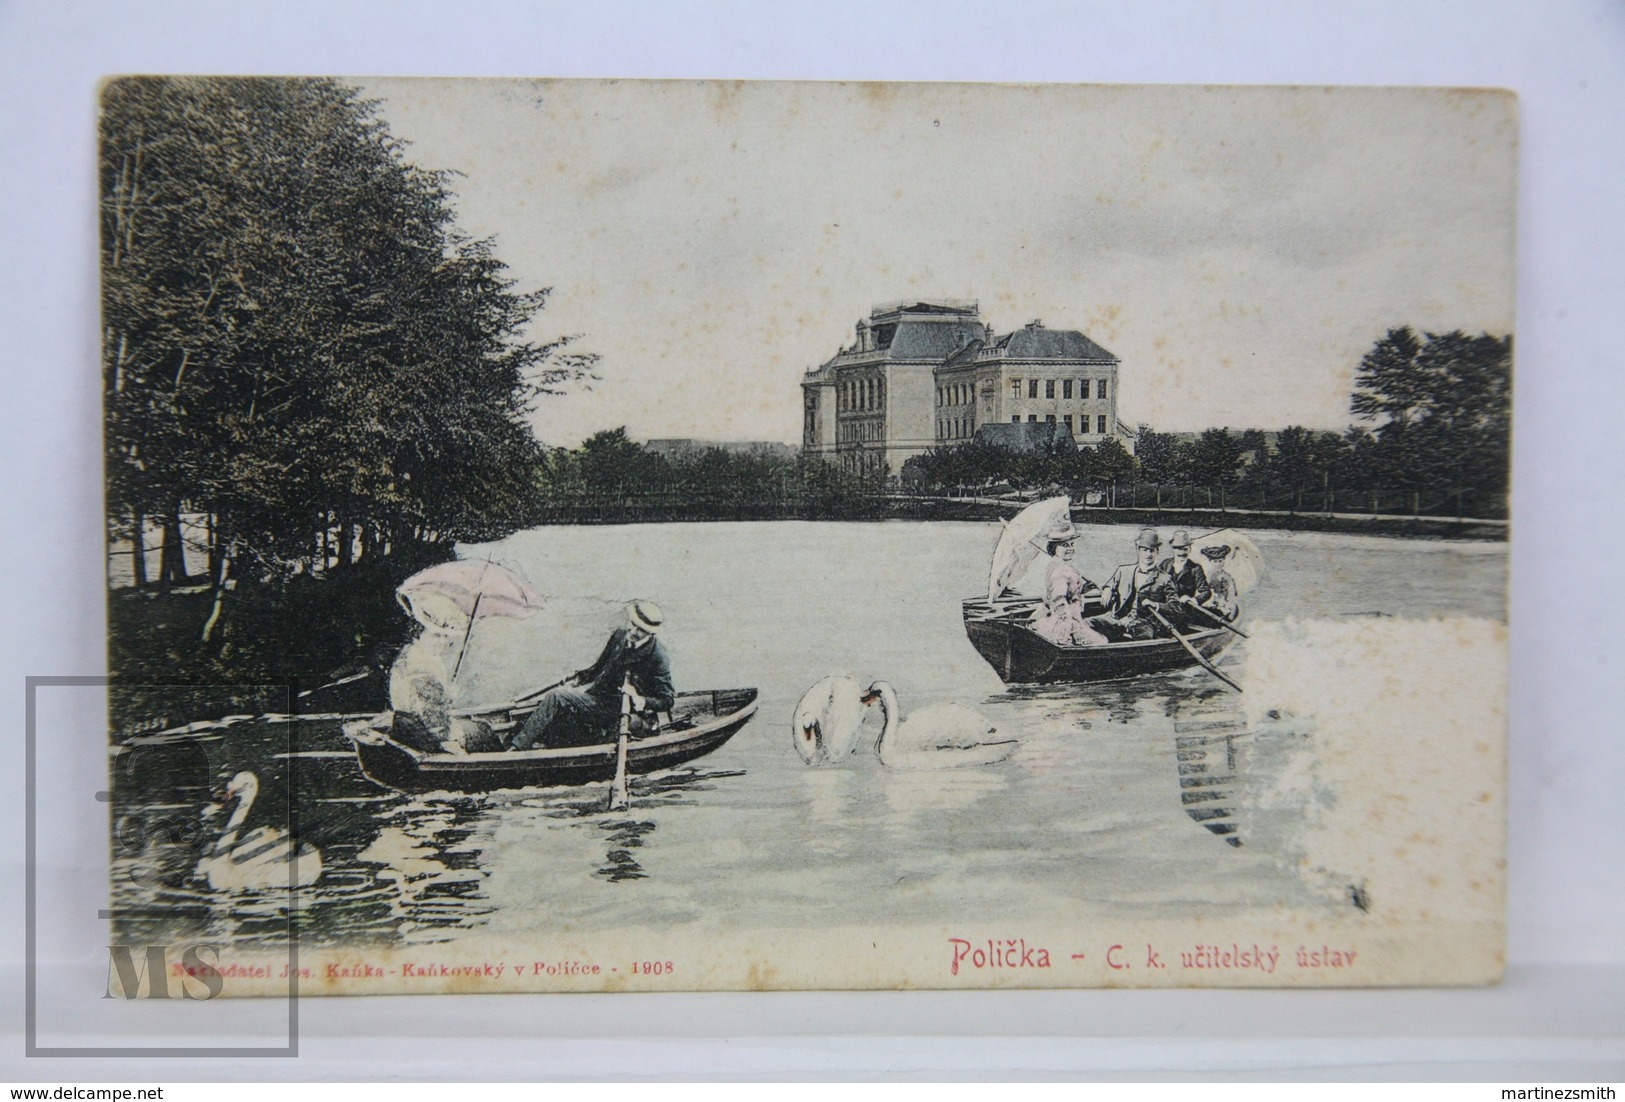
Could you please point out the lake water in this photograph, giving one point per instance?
(1140, 798)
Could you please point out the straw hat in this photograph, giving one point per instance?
(645, 615)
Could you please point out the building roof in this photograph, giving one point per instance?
(952, 307)
(1034, 342)
(1027, 436)
(965, 357)
(932, 340)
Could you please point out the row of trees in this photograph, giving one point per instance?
(299, 343)
(1436, 413)
(979, 463)
(610, 470)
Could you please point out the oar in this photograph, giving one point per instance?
(1221, 621)
(535, 693)
(618, 798)
(335, 684)
(517, 704)
(1194, 653)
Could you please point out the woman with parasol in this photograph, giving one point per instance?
(1063, 623)
(447, 601)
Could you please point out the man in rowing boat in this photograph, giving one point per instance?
(1135, 590)
(1189, 581)
(586, 709)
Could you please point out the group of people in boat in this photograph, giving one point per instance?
(1143, 599)
(632, 672)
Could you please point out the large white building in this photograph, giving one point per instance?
(924, 374)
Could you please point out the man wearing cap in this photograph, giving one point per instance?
(1135, 589)
(1190, 581)
(587, 708)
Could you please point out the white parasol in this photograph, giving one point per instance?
(1023, 539)
(1244, 564)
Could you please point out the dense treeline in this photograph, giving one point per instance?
(979, 463)
(1437, 420)
(610, 473)
(305, 359)
(299, 344)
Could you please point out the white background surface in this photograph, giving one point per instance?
(1561, 1013)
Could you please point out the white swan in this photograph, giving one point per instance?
(938, 736)
(827, 720)
(830, 717)
(263, 858)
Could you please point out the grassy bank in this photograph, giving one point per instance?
(274, 641)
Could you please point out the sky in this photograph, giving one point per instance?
(1239, 249)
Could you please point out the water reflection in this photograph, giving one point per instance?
(623, 837)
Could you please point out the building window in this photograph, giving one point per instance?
(1015, 389)
(1066, 388)
(1067, 420)
(1015, 418)
(1049, 390)
(1100, 424)
(1049, 418)
(1100, 389)
(1032, 418)
(1083, 388)
(1032, 388)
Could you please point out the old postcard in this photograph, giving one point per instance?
(595, 536)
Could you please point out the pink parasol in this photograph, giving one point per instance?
(450, 597)
(473, 587)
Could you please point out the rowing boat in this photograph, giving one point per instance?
(700, 722)
(1002, 633)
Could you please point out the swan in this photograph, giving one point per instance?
(827, 720)
(263, 858)
(938, 736)
(830, 716)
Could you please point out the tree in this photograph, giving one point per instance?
(1214, 457)
(1109, 462)
(297, 340)
(1157, 454)
(1441, 407)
